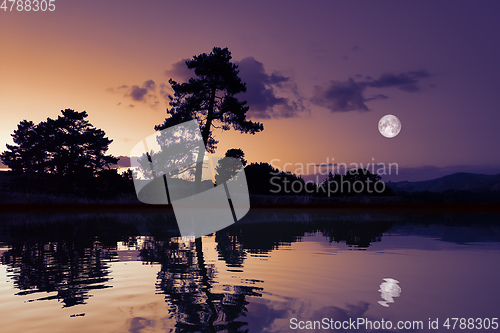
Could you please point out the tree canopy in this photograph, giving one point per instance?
(67, 146)
(210, 98)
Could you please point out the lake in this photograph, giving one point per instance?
(267, 273)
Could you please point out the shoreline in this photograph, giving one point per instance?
(342, 207)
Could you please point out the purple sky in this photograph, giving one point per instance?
(319, 75)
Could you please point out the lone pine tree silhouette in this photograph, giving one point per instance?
(209, 97)
(171, 163)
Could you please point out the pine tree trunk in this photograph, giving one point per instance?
(205, 135)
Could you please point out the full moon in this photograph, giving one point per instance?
(389, 126)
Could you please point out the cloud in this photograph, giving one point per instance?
(340, 96)
(265, 92)
(137, 93)
(144, 93)
(179, 72)
(375, 97)
(354, 48)
(149, 85)
(165, 91)
(345, 96)
(404, 81)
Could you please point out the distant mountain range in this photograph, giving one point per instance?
(123, 162)
(458, 181)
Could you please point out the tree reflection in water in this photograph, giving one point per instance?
(186, 280)
(66, 260)
(58, 267)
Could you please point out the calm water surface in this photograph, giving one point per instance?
(269, 273)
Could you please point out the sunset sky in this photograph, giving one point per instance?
(319, 75)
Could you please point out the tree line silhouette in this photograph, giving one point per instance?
(63, 155)
(68, 154)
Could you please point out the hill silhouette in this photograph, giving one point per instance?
(457, 182)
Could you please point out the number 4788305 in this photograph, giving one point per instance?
(28, 5)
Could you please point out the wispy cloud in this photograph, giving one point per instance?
(145, 93)
(340, 96)
(179, 71)
(274, 95)
(350, 95)
(403, 81)
(269, 95)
